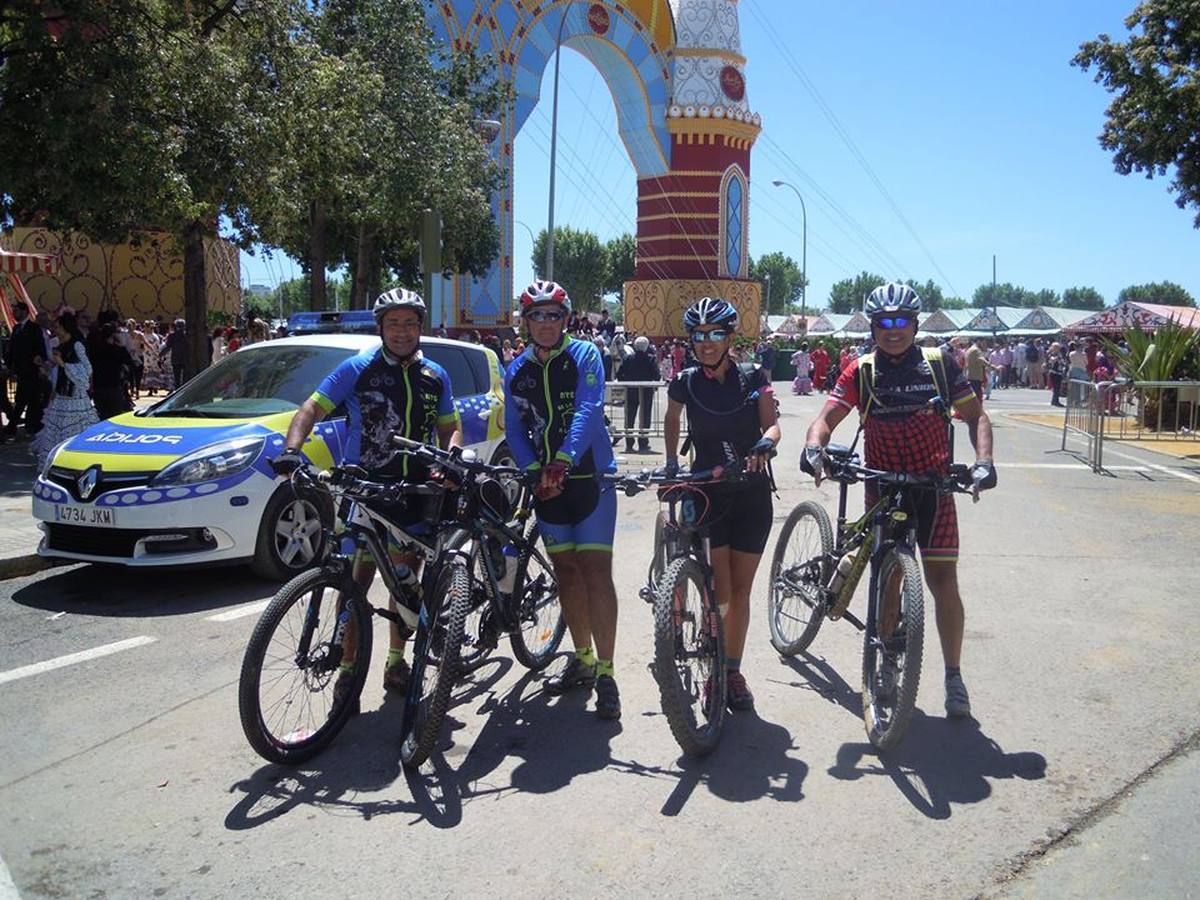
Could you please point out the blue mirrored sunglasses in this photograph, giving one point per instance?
(890, 322)
(545, 315)
(717, 334)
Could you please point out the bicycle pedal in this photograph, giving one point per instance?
(647, 594)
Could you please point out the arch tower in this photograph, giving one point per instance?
(677, 77)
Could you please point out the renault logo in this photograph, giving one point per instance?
(87, 482)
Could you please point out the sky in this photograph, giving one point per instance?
(925, 137)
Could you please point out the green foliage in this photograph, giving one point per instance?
(1007, 294)
(787, 281)
(581, 265)
(1154, 117)
(1165, 292)
(622, 260)
(847, 295)
(1082, 298)
(1153, 356)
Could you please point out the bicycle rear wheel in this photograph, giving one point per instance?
(800, 571)
(892, 665)
(436, 662)
(479, 629)
(286, 690)
(689, 657)
(540, 622)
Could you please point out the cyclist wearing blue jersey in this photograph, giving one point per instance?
(386, 390)
(731, 416)
(554, 422)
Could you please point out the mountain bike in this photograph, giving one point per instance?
(689, 638)
(814, 573)
(289, 700)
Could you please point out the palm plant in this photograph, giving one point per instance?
(1157, 356)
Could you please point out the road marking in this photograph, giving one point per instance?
(1082, 466)
(72, 658)
(242, 611)
(1186, 476)
(8, 890)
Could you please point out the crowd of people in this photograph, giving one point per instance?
(69, 370)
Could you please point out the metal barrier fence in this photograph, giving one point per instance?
(648, 422)
(1130, 411)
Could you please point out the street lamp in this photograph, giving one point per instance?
(803, 251)
(767, 277)
(554, 148)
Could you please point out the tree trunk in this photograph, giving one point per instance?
(362, 269)
(317, 256)
(195, 296)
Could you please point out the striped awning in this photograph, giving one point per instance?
(27, 263)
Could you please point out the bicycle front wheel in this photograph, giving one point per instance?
(892, 648)
(689, 657)
(540, 622)
(288, 695)
(800, 571)
(436, 662)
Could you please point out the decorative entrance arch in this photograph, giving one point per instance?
(676, 74)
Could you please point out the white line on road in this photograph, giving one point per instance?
(72, 658)
(1082, 466)
(248, 610)
(8, 890)
(1186, 476)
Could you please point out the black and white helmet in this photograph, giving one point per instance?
(892, 298)
(710, 311)
(398, 298)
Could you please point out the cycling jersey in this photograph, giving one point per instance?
(554, 411)
(722, 414)
(383, 397)
(902, 432)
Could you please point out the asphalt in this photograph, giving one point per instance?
(126, 775)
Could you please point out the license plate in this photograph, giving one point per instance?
(94, 516)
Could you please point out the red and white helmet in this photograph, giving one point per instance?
(541, 293)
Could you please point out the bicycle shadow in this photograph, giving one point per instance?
(823, 679)
(363, 759)
(940, 762)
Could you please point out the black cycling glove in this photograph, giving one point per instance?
(983, 475)
(764, 447)
(670, 470)
(812, 460)
(288, 462)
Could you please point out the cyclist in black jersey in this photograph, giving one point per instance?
(385, 390)
(731, 416)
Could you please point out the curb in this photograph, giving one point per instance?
(29, 564)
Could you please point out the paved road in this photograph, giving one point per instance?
(126, 774)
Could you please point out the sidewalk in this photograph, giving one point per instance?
(19, 534)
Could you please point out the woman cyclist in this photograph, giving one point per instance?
(731, 415)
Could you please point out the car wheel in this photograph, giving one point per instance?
(290, 536)
(503, 457)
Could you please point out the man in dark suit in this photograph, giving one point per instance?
(28, 352)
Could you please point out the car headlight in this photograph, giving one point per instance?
(50, 457)
(211, 462)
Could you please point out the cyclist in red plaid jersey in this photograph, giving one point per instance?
(896, 390)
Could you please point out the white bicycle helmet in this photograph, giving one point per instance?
(892, 298)
(543, 292)
(398, 298)
(710, 311)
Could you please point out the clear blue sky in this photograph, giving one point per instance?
(969, 115)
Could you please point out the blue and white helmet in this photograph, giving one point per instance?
(892, 298)
(398, 298)
(710, 311)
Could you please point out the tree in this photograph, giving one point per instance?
(1082, 298)
(580, 265)
(786, 282)
(1153, 121)
(622, 260)
(1008, 294)
(1165, 292)
(847, 295)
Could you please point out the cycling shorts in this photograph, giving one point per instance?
(740, 515)
(937, 523)
(593, 523)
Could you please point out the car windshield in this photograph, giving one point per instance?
(258, 382)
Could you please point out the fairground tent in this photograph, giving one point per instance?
(1146, 316)
(12, 265)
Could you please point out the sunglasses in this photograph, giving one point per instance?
(544, 315)
(890, 322)
(718, 334)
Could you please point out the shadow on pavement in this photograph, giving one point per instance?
(940, 762)
(16, 469)
(100, 590)
(823, 679)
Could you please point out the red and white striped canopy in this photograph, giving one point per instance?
(28, 263)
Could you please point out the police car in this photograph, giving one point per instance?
(188, 480)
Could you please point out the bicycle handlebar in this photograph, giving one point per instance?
(463, 460)
(957, 480)
(645, 480)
